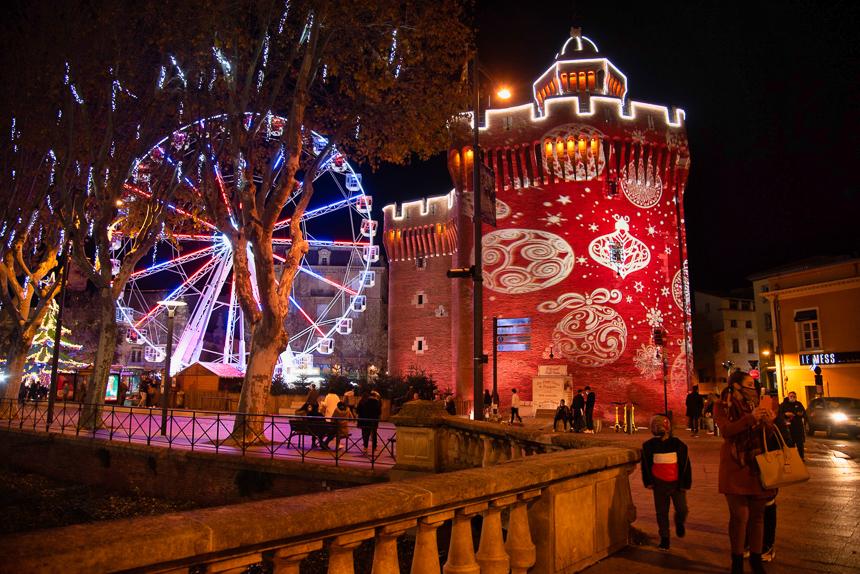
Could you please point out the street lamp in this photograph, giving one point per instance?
(171, 307)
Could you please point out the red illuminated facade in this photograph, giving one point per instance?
(589, 243)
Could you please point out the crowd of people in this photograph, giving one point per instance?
(579, 416)
(339, 411)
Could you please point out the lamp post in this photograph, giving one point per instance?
(171, 307)
(766, 354)
(58, 335)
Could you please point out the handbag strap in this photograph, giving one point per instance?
(781, 440)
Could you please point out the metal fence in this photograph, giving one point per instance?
(301, 438)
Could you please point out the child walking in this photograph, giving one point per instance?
(666, 470)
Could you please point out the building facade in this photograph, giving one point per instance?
(588, 250)
(725, 337)
(810, 320)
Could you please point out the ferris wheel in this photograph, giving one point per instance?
(196, 268)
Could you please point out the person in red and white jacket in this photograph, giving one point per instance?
(666, 470)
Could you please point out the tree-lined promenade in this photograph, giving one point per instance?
(107, 84)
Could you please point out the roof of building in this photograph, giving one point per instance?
(222, 370)
(803, 265)
(577, 46)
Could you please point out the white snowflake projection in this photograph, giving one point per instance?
(551, 219)
(581, 260)
(592, 334)
(503, 210)
(564, 199)
(653, 316)
(575, 152)
(592, 227)
(619, 250)
(640, 184)
(681, 288)
(647, 360)
(628, 299)
(664, 291)
(638, 286)
(651, 230)
(668, 250)
(525, 260)
(638, 136)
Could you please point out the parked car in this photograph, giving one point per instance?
(834, 415)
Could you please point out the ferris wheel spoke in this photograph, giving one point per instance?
(306, 316)
(185, 286)
(176, 262)
(145, 194)
(344, 288)
(320, 211)
(191, 340)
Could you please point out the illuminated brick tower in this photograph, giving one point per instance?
(589, 245)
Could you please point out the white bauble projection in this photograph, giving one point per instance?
(525, 260)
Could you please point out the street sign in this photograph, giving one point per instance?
(754, 373)
(512, 334)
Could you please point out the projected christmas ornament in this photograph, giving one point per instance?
(681, 288)
(647, 360)
(619, 250)
(525, 260)
(641, 186)
(592, 334)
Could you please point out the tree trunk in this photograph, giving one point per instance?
(94, 399)
(16, 356)
(267, 343)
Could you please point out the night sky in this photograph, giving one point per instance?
(770, 91)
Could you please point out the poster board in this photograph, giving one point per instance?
(548, 390)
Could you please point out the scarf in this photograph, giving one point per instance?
(747, 444)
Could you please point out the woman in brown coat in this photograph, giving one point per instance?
(741, 418)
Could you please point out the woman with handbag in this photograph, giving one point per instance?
(741, 420)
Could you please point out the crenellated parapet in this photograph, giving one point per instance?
(578, 138)
(422, 228)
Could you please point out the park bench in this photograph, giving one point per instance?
(314, 427)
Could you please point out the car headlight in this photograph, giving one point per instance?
(839, 417)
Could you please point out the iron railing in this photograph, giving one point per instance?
(274, 436)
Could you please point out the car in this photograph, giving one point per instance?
(834, 415)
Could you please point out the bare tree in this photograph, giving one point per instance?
(379, 79)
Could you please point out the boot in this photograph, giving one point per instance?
(757, 564)
(737, 564)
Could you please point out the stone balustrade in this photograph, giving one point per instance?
(431, 441)
(553, 513)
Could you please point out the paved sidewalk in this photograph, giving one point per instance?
(818, 523)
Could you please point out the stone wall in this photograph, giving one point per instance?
(206, 478)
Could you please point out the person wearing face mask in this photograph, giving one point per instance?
(741, 419)
(792, 412)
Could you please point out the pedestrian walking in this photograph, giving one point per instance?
(515, 406)
(369, 411)
(792, 415)
(578, 407)
(667, 472)
(741, 420)
(695, 404)
(341, 417)
(590, 399)
(562, 413)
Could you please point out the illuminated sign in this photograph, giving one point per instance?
(829, 358)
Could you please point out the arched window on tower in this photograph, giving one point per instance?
(590, 80)
(582, 81)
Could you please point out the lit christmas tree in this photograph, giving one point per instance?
(42, 350)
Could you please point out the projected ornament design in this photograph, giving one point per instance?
(647, 361)
(619, 250)
(641, 186)
(592, 334)
(525, 260)
(681, 288)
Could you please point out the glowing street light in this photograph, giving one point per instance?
(504, 93)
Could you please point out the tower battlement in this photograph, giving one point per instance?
(423, 228)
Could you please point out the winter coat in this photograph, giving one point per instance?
(369, 410)
(657, 454)
(695, 405)
(742, 440)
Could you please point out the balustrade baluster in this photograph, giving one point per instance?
(234, 565)
(385, 558)
(340, 559)
(521, 549)
(425, 558)
(288, 558)
(492, 555)
(461, 551)
(488, 454)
